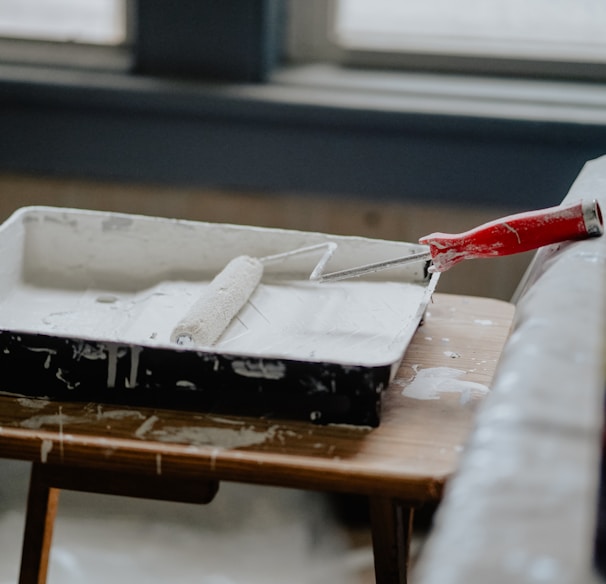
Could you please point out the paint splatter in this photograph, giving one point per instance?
(36, 422)
(261, 370)
(32, 403)
(144, 428)
(218, 437)
(45, 448)
(61, 419)
(432, 382)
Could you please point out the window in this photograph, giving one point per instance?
(194, 97)
(94, 21)
(210, 39)
(550, 37)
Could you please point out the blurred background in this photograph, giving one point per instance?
(389, 119)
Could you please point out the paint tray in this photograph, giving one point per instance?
(88, 301)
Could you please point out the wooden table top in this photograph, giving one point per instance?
(451, 359)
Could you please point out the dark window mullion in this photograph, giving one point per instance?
(236, 40)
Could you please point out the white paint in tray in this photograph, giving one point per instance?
(130, 279)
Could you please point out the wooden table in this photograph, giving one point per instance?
(182, 456)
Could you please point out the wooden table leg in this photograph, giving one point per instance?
(42, 504)
(391, 525)
(47, 480)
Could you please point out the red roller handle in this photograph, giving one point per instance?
(515, 234)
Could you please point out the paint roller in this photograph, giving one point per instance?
(228, 292)
(505, 236)
(211, 314)
(233, 286)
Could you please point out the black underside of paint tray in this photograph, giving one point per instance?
(72, 369)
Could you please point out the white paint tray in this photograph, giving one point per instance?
(88, 301)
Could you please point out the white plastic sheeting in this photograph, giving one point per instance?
(522, 507)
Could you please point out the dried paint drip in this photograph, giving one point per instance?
(144, 428)
(219, 437)
(60, 419)
(432, 382)
(45, 448)
(32, 403)
(221, 301)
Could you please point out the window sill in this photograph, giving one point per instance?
(448, 94)
(59, 56)
(310, 129)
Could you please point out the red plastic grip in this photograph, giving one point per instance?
(515, 234)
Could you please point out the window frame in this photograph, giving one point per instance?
(236, 41)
